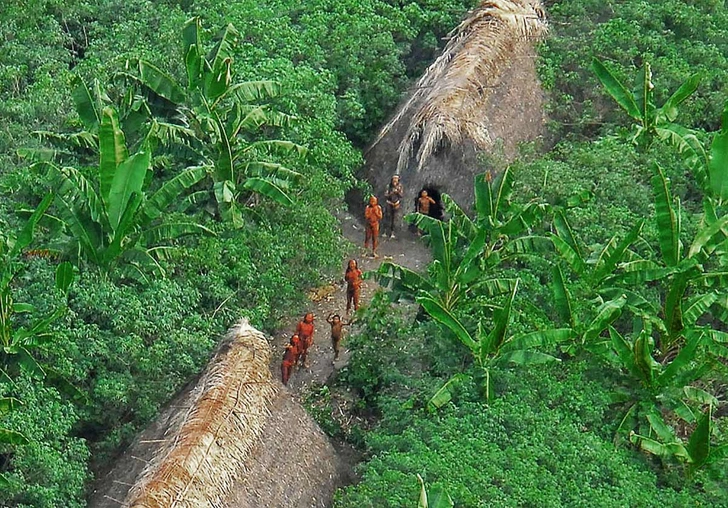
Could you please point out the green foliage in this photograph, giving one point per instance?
(540, 443)
(679, 38)
(113, 217)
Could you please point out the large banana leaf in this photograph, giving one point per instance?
(644, 345)
(540, 338)
(607, 313)
(562, 299)
(493, 341)
(698, 446)
(172, 190)
(11, 437)
(617, 90)
(673, 308)
(698, 306)
(128, 181)
(169, 231)
(668, 226)
(85, 104)
(624, 352)
(192, 51)
(522, 357)
(160, 83)
(682, 361)
(564, 231)
(444, 395)
(568, 254)
(112, 151)
(709, 238)
(613, 253)
(267, 188)
(401, 279)
(440, 314)
(690, 148)
(669, 109)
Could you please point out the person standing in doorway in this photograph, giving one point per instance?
(394, 195)
(372, 215)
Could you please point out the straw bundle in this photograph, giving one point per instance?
(217, 434)
(451, 93)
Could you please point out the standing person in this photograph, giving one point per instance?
(353, 285)
(337, 329)
(394, 195)
(290, 357)
(422, 205)
(372, 215)
(304, 329)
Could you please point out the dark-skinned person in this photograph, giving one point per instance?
(394, 195)
(337, 330)
(353, 285)
(304, 330)
(290, 358)
(372, 215)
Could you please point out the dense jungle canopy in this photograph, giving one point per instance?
(168, 166)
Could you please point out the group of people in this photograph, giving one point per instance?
(374, 214)
(296, 352)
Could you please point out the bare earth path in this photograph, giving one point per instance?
(406, 249)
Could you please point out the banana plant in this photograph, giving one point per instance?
(698, 453)
(219, 119)
(436, 498)
(689, 280)
(112, 218)
(651, 122)
(19, 345)
(464, 250)
(594, 271)
(654, 384)
(496, 347)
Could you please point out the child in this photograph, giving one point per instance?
(424, 203)
(353, 285)
(304, 329)
(372, 214)
(337, 328)
(290, 357)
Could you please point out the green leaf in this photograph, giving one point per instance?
(718, 168)
(617, 90)
(26, 234)
(663, 431)
(192, 51)
(669, 109)
(112, 151)
(539, 338)
(521, 357)
(422, 503)
(64, 276)
(699, 396)
(160, 83)
(625, 353)
(170, 231)
(440, 314)
(439, 498)
(268, 189)
(158, 203)
(611, 257)
(497, 335)
(643, 96)
(607, 313)
(85, 104)
(698, 446)
(8, 404)
(444, 394)
(690, 149)
(682, 361)
(708, 238)
(12, 437)
(667, 222)
(697, 307)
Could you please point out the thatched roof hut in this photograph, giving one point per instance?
(235, 438)
(482, 92)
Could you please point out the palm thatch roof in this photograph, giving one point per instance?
(447, 106)
(205, 449)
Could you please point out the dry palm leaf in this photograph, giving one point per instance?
(451, 93)
(214, 439)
